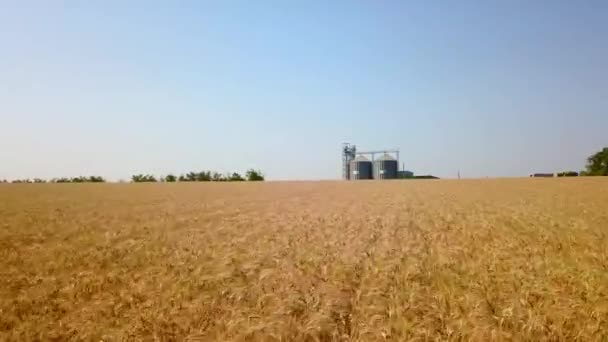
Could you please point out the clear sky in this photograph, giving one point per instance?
(112, 88)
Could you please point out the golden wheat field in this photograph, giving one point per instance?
(518, 259)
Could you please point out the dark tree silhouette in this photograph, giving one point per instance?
(597, 164)
(254, 175)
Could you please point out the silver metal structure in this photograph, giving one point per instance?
(349, 153)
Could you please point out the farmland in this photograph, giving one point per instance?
(522, 259)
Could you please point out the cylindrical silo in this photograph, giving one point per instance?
(360, 168)
(385, 167)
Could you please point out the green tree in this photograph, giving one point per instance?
(143, 178)
(567, 174)
(170, 178)
(217, 177)
(254, 175)
(191, 176)
(597, 164)
(235, 177)
(96, 179)
(203, 176)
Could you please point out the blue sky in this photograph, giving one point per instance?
(490, 88)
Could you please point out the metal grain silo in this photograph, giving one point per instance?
(360, 168)
(385, 167)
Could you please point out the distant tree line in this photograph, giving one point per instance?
(80, 179)
(567, 174)
(201, 176)
(597, 165)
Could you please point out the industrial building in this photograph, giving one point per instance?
(359, 165)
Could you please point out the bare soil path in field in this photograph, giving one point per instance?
(521, 259)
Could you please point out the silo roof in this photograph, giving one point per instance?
(360, 158)
(386, 156)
